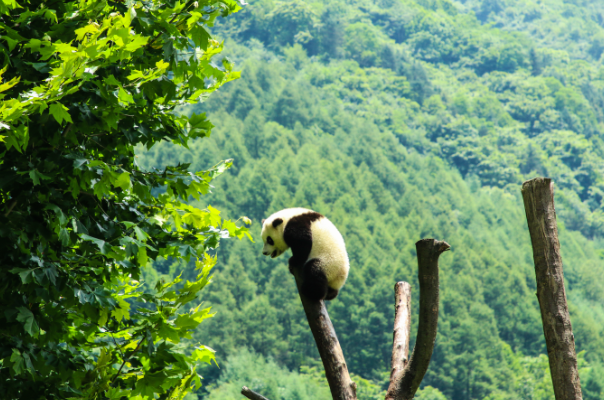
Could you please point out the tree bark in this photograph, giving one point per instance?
(428, 252)
(336, 371)
(538, 195)
(402, 331)
(250, 394)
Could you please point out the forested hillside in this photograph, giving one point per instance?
(401, 120)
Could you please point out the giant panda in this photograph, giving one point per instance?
(318, 250)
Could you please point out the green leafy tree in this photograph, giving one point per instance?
(536, 64)
(83, 83)
(362, 44)
(291, 22)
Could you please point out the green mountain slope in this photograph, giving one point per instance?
(404, 120)
(487, 95)
(575, 27)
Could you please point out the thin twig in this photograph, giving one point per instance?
(126, 359)
(184, 10)
(117, 346)
(10, 208)
(67, 129)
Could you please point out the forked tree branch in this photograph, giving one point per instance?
(538, 195)
(428, 252)
(405, 377)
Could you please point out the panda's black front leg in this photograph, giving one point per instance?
(299, 256)
(298, 236)
(314, 282)
(294, 264)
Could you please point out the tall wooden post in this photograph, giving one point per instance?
(538, 195)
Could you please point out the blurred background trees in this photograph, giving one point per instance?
(401, 120)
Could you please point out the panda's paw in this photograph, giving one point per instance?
(331, 293)
(313, 291)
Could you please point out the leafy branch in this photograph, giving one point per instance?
(81, 219)
(119, 371)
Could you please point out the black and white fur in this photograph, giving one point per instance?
(318, 250)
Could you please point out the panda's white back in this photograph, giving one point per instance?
(288, 213)
(328, 246)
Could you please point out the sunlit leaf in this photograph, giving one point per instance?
(60, 112)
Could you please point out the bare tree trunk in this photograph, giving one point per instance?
(402, 331)
(428, 252)
(336, 371)
(538, 195)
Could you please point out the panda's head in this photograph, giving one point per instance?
(272, 236)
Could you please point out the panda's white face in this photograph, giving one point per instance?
(272, 236)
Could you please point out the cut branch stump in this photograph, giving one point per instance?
(402, 330)
(250, 394)
(538, 195)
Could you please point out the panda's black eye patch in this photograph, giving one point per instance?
(269, 240)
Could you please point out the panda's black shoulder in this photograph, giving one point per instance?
(298, 227)
(304, 220)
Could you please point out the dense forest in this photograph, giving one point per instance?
(399, 120)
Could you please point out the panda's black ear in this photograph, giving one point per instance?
(277, 222)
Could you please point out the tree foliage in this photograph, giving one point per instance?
(83, 83)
